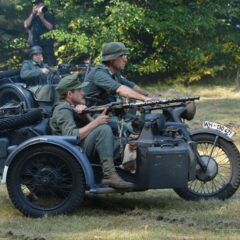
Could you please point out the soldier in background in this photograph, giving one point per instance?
(34, 71)
(37, 76)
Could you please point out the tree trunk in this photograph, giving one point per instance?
(237, 79)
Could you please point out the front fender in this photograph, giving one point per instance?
(20, 91)
(67, 143)
(210, 131)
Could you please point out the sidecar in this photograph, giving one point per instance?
(49, 175)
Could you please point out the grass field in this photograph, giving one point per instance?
(157, 214)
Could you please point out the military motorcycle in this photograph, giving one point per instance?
(49, 175)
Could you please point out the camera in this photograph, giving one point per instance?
(44, 9)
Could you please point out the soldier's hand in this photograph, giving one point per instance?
(45, 71)
(79, 108)
(101, 119)
(151, 98)
(104, 112)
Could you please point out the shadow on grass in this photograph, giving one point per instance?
(137, 203)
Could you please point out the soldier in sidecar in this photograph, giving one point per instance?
(95, 135)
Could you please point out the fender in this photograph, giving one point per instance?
(65, 142)
(210, 131)
(24, 93)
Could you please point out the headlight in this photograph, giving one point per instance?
(190, 111)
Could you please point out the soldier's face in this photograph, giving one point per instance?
(120, 62)
(38, 57)
(77, 96)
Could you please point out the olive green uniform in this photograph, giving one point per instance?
(64, 121)
(103, 84)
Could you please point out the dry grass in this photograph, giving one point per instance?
(159, 214)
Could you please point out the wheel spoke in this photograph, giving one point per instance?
(224, 169)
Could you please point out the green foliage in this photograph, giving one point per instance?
(180, 40)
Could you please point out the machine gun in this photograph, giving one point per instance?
(158, 104)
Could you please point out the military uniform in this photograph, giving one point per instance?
(66, 122)
(32, 74)
(37, 82)
(103, 84)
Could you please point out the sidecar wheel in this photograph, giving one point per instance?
(45, 180)
(222, 178)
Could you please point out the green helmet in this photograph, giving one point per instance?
(113, 50)
(35, 50)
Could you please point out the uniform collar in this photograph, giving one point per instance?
(37, 64)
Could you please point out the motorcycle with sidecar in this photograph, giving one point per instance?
(49, 175)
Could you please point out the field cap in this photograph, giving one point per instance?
(70, 82)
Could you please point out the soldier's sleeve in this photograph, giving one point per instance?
(104, 81)
(64, 122)
(28, 71)
(126, 82)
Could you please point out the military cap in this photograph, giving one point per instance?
(113, 50)
(35, 50)
(70, 82)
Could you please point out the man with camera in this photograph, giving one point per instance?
(39, 22)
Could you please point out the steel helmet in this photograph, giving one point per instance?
(35, 50)
(113, 50)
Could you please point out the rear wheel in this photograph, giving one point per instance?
(45, 180)
(221, 177)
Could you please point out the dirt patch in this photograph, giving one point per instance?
(171, 219)
(10, 236)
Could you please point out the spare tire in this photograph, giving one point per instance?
(17, 121)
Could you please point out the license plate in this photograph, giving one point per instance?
(219, 127)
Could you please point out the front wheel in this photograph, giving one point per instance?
(221, 177)
(45, 180)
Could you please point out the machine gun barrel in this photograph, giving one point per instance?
(119, 105)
